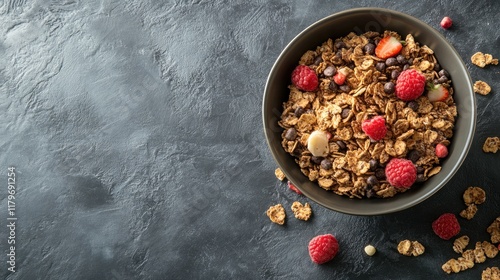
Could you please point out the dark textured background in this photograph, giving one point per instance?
(135, 130)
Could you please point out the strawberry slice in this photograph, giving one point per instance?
(437, 93)
(388, 47)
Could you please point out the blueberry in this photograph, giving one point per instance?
(437, 67)
(369, 48)
(380, 174)
(420, 170)
(299, 111)
(291, 134)
(395, 74)
(345, 88)
(442, 80)
(345, 113)
(420, 178)
(444, 73)
(340, 45)
(372, 180)
(401, 59)
(333, 86)
(406, 67)
(373, 164)
(391, 61)
(413, 105)
(389, 87)
(316, 160)
(329, 71)
(326, 164)
(380, 66)
(318, 60)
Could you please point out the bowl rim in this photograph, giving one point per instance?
(434, 32)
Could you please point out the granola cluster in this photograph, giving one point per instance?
(473, 196)
(469, 257)
(410, 248)
(413, 128)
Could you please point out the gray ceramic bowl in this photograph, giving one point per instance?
(361, 20)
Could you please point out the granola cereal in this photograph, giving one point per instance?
(469, 212)
(491, 145)
(481, 87)
(480, 59)
(351, 164)
(474, 195)
(460, 243)
(494, 230)
(491, 273)
(301, 212)
(276, 214)
(279, 174)
(410, 248)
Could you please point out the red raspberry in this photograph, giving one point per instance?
(410, 85)
(446, 22)
(374, 128)
(401, 173)
(323, 248)
(441, 151)
(446, 226)
(293, 187)
(304, 78)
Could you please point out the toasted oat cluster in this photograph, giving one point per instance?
(410, 248)
(354, 164)
(491, 273)
(276, 214)
(473, 196)
(494, 230)
(491, 145)
(300, 211)
(482, 87)
(469, 257)
(480, 59)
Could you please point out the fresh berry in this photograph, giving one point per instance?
(375, 128)
(304, 78)
(446, 226)
(323, 248)
(401, 173)
(410, 85)
(441, 150)
(339, 78)
(293, 187)
(388, 47)
(437, 93)
(446, 22)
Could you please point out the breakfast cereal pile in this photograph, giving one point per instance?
(359, 102)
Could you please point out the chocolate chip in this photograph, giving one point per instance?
(329, 71)
(413, 105)
(299, 111)
(410, 61)
(420, 169)
(333, 86)
(340, 45)
(442, 80)
(370, 194)
(345, 113)
(341, 145)
(444, 73)
(345, 88)
(437, 67)
(316, 160)
(391, 61)
(420, 178)
(326, 164)
(380, 66)
(318, 60)
(395, 74)
(406, 67)
(414, 155)
(401, 59)
(291, 134)
(369, 49)
(389, 87)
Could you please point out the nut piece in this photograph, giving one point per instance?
(410, 248)
(469, 212)
(279, 174)
(494, 230)
(482, 88)
(276, 214)
(460, 243)
(489, 249)
(370, 250)
(480, 59)
(491, 273)
(491, 145)
(317, 143)
(474, 195)
(301, 212)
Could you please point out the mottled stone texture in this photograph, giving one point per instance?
(135, 130)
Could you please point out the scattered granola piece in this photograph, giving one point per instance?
(370, 250)
(479, 256)
(494, 230)
(491, 273)
(277, 214)
(491, 145)
(481, 87)
(301, 212)
(469, 212)
(279, 174)
(460, 243)
(480, 59)
(489, 249)
(474, 195)
(451, 266)
(410, 248)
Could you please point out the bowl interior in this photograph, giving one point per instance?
(362, 20)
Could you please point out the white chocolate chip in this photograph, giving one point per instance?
(317, 143)
(370, 250)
